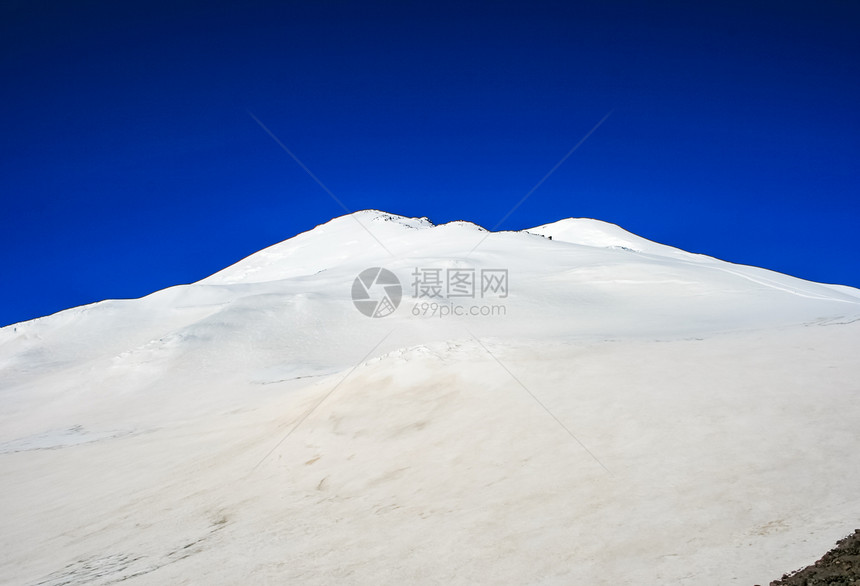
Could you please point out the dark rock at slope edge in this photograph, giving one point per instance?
(839, 567)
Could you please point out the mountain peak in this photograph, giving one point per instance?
(376, 216)
(597, 233)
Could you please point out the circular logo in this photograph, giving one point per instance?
(376, 292)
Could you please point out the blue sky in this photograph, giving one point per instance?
(129, 162)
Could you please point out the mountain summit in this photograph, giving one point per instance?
(384, 400)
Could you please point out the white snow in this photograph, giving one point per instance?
(636, 415)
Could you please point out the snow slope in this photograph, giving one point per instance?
(630, 414)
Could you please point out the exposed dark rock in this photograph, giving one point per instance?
(839, 567)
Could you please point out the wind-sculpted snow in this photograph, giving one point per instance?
(636, 414)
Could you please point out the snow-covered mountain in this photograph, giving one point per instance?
(568, 404)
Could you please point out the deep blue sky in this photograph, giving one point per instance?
(129, 162)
